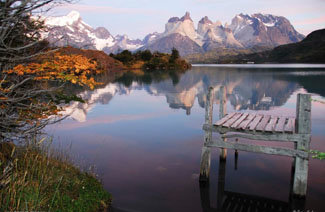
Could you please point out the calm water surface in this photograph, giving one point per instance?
(145, 139)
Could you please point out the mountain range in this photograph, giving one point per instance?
(310, 50)
(245, 31)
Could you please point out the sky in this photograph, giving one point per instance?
(137, 18)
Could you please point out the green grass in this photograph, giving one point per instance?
(318, 154)
(41, 180)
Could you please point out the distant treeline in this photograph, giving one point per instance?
(149, 61)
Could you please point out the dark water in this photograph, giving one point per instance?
(145, 139)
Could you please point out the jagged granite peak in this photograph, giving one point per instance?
(183, 26)
(263, 29)
(205, 20)
(102, 33)
(124, 38)
(174, 19)
(245, 31)
(187, 16)
(214, 35)
(150, 38)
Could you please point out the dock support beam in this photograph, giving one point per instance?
(206, 150)
(303, 121)
(222, 113)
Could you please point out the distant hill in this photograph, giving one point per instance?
(309, 50)
(217, 54)
(104, 61)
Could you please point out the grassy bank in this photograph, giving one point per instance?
(33, 178)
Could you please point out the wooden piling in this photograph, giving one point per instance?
(206, 150)
(303, 121)
(222, 113)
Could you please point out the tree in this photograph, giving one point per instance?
(175, 55)
(25, 105)
(146, 55)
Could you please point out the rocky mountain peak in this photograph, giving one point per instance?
(173, 20)
(244, 31)
(102, 33)
(121, 37)
(150, 38)
(205, 20)
(74, 15)
(68, 19)
(187, 16)
(263, 29)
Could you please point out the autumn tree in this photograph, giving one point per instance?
(25, 102)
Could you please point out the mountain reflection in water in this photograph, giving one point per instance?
(144, 135)
(254, 89)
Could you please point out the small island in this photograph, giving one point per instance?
(148, 61)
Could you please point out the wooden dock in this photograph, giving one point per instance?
(260, 127)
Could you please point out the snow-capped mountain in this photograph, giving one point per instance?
(72, 30)
(215, 35)
(260, 29)
(245, 31)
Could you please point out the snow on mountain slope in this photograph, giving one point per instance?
(215, 35)
(245, 31)
(263, 29)
(71, 30)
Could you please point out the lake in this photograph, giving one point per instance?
(144, 137)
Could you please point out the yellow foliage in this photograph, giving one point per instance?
(138, 65)
(138, 72)
(73, 68)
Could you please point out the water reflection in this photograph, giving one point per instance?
(230, 201)
(247, 89)
(147, 150)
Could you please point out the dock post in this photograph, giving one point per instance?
(222, 113)
(303, 127)
(206, 151)
(221, 183)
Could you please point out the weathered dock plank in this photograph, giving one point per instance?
(260, 149)
(290, 126)
(270, 126)
(246, 122)
(232, 120)
(224, 119)
(280, 125)
(261, 126)
(236, 124)
(255, 122)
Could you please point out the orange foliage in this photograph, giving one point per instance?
(73, 68)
